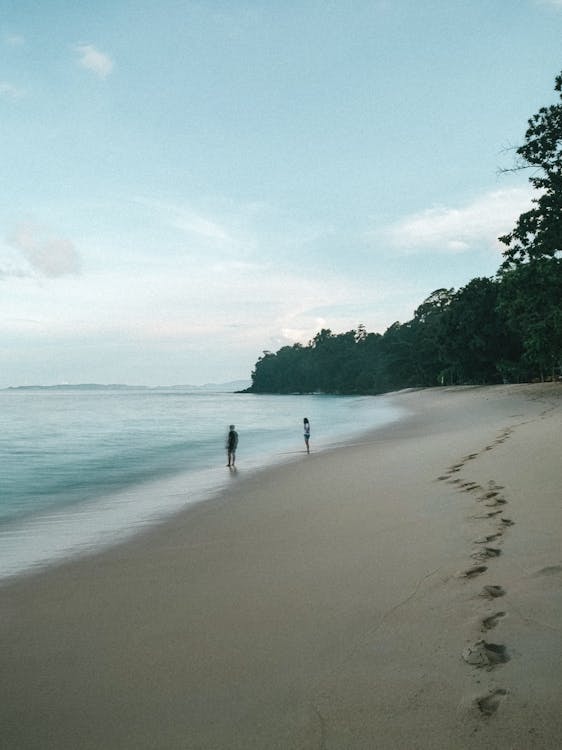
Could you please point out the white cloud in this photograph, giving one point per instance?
(14, 40)
(177, 319)
(94, 60)
(9, 91)
(48, 255)
(8, 271)
(455, 230)
(552, 3)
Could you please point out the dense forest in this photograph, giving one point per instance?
(502, 329)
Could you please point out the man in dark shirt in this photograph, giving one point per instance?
(231, 445)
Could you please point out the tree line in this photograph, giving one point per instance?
(507, 328)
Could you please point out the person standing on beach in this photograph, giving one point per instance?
(231, 445)
(306, 425)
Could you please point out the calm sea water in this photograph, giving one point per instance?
(80, 469)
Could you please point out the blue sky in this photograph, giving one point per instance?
(186, 184)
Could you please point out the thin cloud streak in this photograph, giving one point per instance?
(192, 224)
(230, 234)
(445, 229)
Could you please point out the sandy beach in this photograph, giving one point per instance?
(403, 591)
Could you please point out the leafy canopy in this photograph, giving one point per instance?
(538, 232)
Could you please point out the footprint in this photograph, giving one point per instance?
(470, 486)
(496, 653)
(490, 622)
(493, 486)
(484, 654)
(495, 501)
(455, 468)
(492, 591)
(488, 538)
(486, 552)
(491, 514)
(502, 438)
(489, 704)
(507, 521)
(474, 571)
(492, 497)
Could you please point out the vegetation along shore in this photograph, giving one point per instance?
(502, 329)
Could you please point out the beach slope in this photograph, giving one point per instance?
(400, 592)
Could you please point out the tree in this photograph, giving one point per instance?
(475, 340)
(531, 275)
(427, 328)
(538, 232)
(398, 357)
(530, 298)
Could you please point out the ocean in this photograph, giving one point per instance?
(83, 468)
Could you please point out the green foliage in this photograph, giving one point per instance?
(504, 329)
(531, 290)
(476, 342)
(486, 332)
(531, 301)
(538, 232)
(492, 330)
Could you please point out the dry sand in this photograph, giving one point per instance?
(335, 603)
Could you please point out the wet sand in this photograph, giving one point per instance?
(400, 592)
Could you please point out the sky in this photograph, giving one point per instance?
(187, 184)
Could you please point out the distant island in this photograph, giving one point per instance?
(230, 387)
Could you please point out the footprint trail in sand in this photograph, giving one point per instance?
(481, 654)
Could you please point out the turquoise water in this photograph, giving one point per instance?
(86, 468)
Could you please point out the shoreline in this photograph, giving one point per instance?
(335, 601)
(60, 532)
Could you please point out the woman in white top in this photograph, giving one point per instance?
(306, 424)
